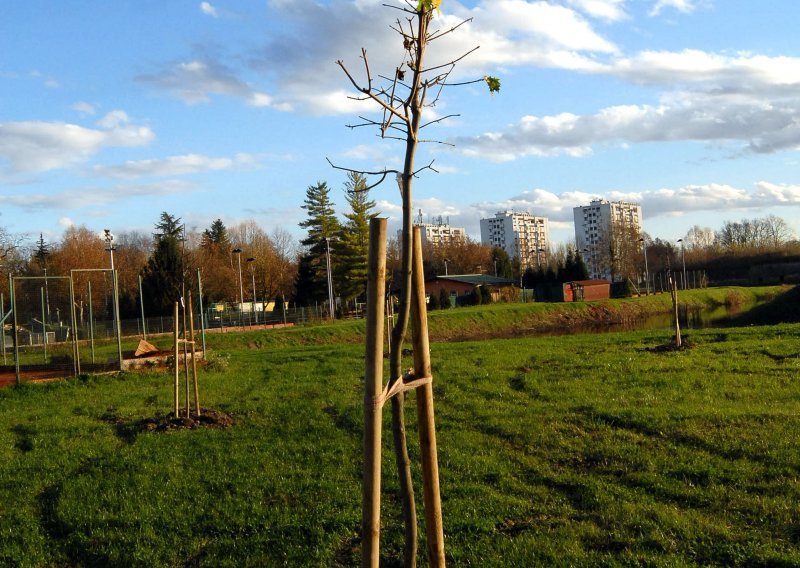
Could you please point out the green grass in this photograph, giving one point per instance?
(579, 450)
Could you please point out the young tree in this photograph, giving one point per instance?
(402, 100)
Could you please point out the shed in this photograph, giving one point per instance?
(586, 290)
(459, 285)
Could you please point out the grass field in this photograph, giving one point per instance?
(579, 450)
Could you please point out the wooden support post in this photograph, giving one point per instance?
(373, 379)
(674, 291)
(425, 416)
(194, 362)
(177, 363)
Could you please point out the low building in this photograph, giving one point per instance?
(575, 291)
(462, 285)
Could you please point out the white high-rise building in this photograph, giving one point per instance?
(607, 235)
(438, 233)
(521, 235)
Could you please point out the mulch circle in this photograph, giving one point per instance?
(209, 418)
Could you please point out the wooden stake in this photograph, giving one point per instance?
(425, 416)
(373, 381)
(177, 362)
(674, 292)
(194, 362)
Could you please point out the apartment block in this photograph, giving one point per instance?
(521, 235)
(607, 235)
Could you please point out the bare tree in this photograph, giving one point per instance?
(402, 96)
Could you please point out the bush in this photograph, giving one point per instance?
(444, 299)
(433, 302)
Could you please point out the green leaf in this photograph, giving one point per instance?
(493, 83)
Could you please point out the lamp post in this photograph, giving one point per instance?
(115, 295)
(238, 252)
(683, 261)
(330, 277)
(646, 271)
(445, 267)
(251, 262)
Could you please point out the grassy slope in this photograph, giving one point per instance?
(585, 450)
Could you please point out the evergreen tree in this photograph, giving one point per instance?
(322, 226)
(42, 253)
(502, 262)
(215, 238)
(352, 247)
(162, 278)
(444, 299)
(168, 226)
(581, 271)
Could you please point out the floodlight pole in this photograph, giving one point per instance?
(251, 262)
(330, 277)
(115, 291)
(238, 252)
(646, 272)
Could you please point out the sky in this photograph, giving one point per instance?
(112, 112)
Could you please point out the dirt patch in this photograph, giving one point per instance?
(670, 347)
(129, 430)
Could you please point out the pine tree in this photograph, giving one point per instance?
(581, 271)
(353, 243)
(322, 226)
(162, 278)
(168, 226)
(215, 238)
(42, 253)
(502, 263)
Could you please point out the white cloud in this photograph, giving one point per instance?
(607, 10)
(176, 165)
(208, 9)
(94, 196)
(84, 108)
(66, 222)
(30, 147)
(195, 81)
(685, 6)
(712, 197)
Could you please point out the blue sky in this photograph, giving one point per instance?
(111, 112)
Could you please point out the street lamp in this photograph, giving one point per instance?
(646, 271)
(683, 261)
(238, 252)
(115, 294)
(330, 277)
(251, 262)
(445, 267)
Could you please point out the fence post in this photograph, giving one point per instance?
(373, 378)
(15, 335)
(141, 303)
(202, 313)
(91, 321)
(177, 364)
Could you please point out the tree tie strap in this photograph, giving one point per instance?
(405, 383)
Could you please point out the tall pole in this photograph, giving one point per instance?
(91, 321)
(238, 253)
(202, 313)
(330, 276)
(44, 328)
(646, 271)
(373, 383)
(141, 304)
(2, 330)
(425, 415)
(115, 299)
(683, 261)
(251, 262)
